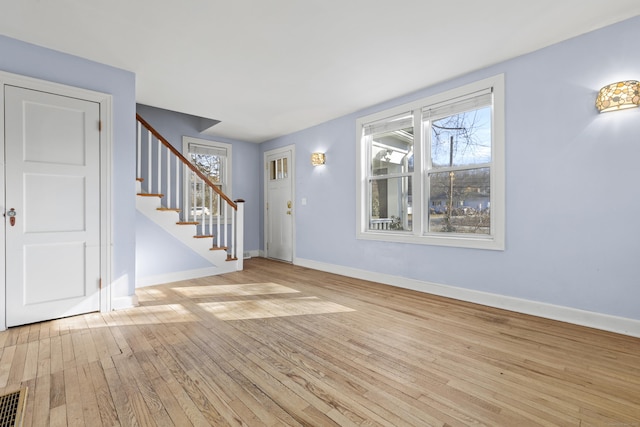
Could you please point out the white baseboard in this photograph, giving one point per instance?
(252, 254)
(176, 277)
(120, 303)
(621, 325)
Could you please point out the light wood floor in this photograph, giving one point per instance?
(280, 345)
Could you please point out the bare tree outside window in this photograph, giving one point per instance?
(204, 200)
(459, 177)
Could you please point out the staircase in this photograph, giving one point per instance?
(204, 219)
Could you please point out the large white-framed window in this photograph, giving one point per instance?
(433, 171)
(213, 159)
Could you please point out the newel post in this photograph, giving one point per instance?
(239, 234)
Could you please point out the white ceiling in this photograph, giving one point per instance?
(266, 68)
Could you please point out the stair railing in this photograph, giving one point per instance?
(163, 169)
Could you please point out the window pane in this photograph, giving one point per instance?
(459, 202)
(461, 139)
(210, 165)
(390, 204)
(392, 152)
(278, 169)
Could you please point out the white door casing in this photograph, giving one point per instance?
(279, 204)
(62, 201)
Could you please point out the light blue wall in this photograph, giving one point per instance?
(572, 182)
(159, 253)
(33, 61)
(245, 168)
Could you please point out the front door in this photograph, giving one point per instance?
(52, 200)
(279, 206)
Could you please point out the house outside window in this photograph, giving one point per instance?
(432, 171)
(213, 159)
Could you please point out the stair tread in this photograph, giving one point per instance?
(219, 248)
(168, 209)
(150, 195)
(187, 223)
(203, 236)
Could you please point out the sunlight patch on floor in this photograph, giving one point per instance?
(234, 290)
(276, 307)
(150, 294)
(168, 313)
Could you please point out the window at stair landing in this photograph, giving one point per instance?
(213, 159)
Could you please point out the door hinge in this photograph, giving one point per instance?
(100, 125)
(100, 283)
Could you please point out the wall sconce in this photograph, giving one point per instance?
(317, 159)
(619, 96)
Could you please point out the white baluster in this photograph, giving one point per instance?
(226, 229)
(210, 217)
(149, 146)
(233, 234)
(203, 192)
(193, 196)
(178, 178)
(239, 238)
(168, 174)
(139, 147)
(159, 167)
(218, 230)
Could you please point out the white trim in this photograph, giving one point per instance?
(176, 276)
(227, 188)
(292, 175)
(253, 254)
(106, 236)
(606, 322)
(106, 147)
(120, 303)
(418, 235)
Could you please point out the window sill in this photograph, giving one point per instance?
(458, 241)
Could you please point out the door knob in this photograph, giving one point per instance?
(289, 204)
(12, 216)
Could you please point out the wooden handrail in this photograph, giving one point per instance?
(185, 161)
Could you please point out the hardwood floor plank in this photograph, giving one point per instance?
(17, 365)
(57, 394)
(5, 364)
(281, 345)
(136, 402)
(57, 363)
(58, 416)
(91, 413)
(73, 397)
(68, 355)
(31, 361)
(42, 399)
(124, 411)
(105, 405)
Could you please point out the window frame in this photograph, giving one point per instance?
(420, 228)
(227, 172)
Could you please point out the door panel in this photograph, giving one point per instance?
(52, 176)
(279, 207)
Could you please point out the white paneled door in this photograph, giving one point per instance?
(279, 206)
(52, 206)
